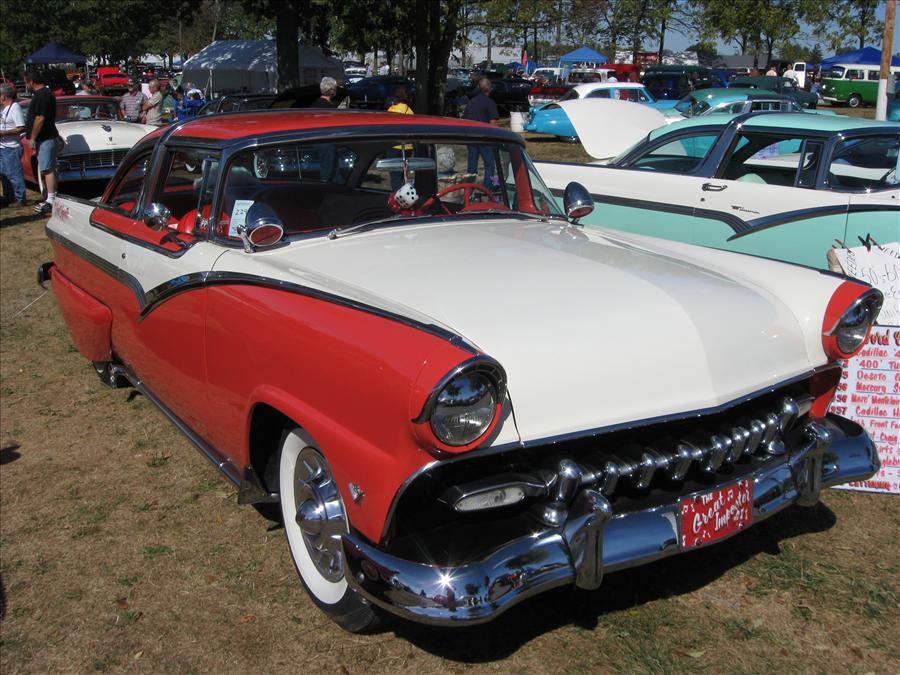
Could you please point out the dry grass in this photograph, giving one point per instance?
(122, 549)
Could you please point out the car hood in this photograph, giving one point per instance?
(93, 135)
(592, 330)
(594, 118)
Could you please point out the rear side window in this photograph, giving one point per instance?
(869, 163)
(773, 160)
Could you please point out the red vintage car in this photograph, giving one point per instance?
(458, 395)
(111, 81)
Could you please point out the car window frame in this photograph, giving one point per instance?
(664, 139)
(832, 149)
(148, 153)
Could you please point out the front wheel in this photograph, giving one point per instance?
(854, 101)
(314, 520)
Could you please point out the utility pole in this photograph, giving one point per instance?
(887, 45)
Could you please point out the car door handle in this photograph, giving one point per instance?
(709, 187)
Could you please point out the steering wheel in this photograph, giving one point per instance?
(468, 204)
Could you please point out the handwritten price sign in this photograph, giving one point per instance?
(879, 266)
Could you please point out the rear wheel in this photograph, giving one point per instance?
(854, 101)
(314, 520)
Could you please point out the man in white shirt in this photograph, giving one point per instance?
(12, 124)
(152, 107)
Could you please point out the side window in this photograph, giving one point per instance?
(868, 163)
(678, 156)
(773, 160)
(599, 93)
(873, 75)
(124, 194)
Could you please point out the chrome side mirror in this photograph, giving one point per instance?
(262, 228)
(577, 201)
(157, 216)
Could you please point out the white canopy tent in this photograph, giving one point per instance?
(251, 66)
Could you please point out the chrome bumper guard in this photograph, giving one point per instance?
(593, 540)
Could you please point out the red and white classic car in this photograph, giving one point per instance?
(95, 138)
(459, 396)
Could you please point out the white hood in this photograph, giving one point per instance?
(607, 127)
(94, 135)
(591, 331)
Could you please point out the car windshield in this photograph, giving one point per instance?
(89, 110)
(569, 95)
(689, 106)
(309, 187)
(836, 72)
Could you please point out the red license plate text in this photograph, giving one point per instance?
(715, 515)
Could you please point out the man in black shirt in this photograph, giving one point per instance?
(40, 130)
(482, 108)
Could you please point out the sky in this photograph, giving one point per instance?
(677, 42)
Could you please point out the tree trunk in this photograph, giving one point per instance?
(422, 40)
(286, 25)
(490, 35)
(662, 40)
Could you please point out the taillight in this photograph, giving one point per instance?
(848, 318)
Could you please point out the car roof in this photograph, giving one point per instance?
(781, 121)
(723, 94)
(593, 86)
(240, 125)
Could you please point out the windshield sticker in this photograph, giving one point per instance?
(238, 215)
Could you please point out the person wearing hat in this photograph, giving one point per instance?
(132, 103)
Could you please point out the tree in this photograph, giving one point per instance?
(845, 21)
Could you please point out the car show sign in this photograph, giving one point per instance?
(869, 394)
(869, 391)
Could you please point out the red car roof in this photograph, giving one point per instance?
(241, 125)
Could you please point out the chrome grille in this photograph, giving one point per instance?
(706, 450)
(93, 160)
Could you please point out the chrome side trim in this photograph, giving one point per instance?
(100, 263)
(734, 222)
(219, 459)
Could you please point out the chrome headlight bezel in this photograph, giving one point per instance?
(479, 369)
(849, 332)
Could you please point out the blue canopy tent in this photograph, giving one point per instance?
(583, 55)
(866, 55)
(53, 52)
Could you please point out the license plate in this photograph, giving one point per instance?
(715, 515)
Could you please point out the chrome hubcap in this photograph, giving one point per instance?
(319, 513)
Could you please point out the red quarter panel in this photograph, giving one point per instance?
(343, 374)
(89, 320)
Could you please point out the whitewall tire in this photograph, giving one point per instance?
(314, 518)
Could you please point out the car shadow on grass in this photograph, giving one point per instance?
(620, 591)
(18, 219)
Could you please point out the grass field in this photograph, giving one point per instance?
(122, 549)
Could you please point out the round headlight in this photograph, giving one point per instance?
(851, 332)
(464, 408)
(850, 314)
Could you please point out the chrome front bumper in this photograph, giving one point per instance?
(593, 540)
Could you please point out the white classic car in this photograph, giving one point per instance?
(96, 139)
(781, 185)
(458, 396)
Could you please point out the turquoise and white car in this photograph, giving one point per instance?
(779, 185)
(552, 118)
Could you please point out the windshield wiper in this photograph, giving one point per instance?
(343, 231)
